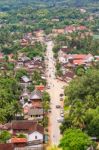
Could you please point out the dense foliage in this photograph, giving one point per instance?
(77, 42)
(19, 17)
(82, 96)
(9, 95)
(77, 91)
(75, 139)
(4, 136)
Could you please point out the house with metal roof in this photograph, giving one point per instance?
(36, 95)
(36, 99)
(36, 114)
(25, 79)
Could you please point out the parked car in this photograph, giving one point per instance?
(49, 110)
(48, 87)
(61, 99)
(61, 95)
(58, 106)
(62, 111)
(60, 120)
(62, 114)
(63, 87)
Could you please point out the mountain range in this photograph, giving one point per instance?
(47, 3)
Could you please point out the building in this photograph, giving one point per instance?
(37, 58)
(25, 82)
(37, 135)
(36, 114)
(82, 59)
(8, 146)
(23, 59)
(65, 49)
(75, 59)
(58, 31)
(25, 79)
(24, 42)
(72, 28)
(26, 107)
(36, 99)
(33, 131)
(19, 142)
(40, 87)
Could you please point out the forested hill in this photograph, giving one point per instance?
(8, 4)
(83, 2)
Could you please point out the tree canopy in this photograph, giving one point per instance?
(85, 88)
(82, 97)
(9, 95)
(75, 139)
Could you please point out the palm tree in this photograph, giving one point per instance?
(77, 114)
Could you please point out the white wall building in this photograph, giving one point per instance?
(35, 136)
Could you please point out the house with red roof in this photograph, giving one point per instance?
(58, 31)
(72, 28)
(81, 28)
(75, 59)
(24, 42)
(19, 142)
(40, 87)
(81, 59)
(33, 131)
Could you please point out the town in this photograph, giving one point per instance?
(49, 78)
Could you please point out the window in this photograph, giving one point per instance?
(35, 137)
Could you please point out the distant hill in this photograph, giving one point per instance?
(82, 2)
(6, 4)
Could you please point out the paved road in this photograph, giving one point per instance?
(54, 91)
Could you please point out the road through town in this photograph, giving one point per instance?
(56, 88)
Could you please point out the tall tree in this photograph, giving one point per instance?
(75, 139)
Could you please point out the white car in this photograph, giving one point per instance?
(60, 120)
(62, 111)
(62, 114)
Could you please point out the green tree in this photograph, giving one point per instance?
(75, 139)
(6, 58)
(92, 122)
(20, 73)
(31, 87)
(44, 121)
(9, 95)
(77, 114)
(36, 77)
(46, 106)
(4, 136)
(93, 127)
(21, 135)
(46, 96)
(83, 87)
(46, 101)
(80, 71)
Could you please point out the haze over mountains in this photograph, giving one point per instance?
(66, 3)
